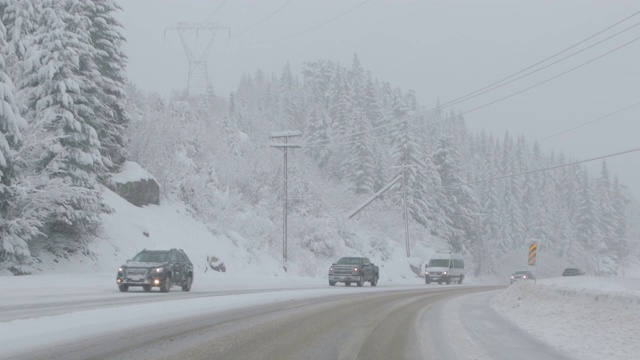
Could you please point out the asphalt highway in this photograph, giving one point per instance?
(374, 324)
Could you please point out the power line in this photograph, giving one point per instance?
(589, 122)
(216, 10)
(543, 60)
(263, 20)
(472, 94)
(491, 88)
(391, 131)
(502, 177)
(545, 169)
(551, 78)
(319, 25)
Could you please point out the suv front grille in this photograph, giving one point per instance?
(136, 272)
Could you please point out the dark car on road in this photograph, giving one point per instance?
(572, 272)
(522, 275)
(156, 268)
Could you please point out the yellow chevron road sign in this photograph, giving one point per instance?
(533, 251)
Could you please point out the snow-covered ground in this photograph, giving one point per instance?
(585, 317)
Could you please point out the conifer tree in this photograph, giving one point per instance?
(107, 63)
(11, 127)
(63, 150)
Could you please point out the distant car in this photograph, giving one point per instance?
(522, 275)
(572, 272)
(156, 268)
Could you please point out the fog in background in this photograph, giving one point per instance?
(440, 49)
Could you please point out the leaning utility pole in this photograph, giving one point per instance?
(285, 146)
(198, 76)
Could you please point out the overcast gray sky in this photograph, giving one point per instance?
(440, 49)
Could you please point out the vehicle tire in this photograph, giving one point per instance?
(166, 284)
(427, 280)
(374, 282)
(461, 278)
(123, 288)
(449, 280)
(440, 282)
(361, 281)
(347, 283)
(187, 285)
(146, 288)
(332, 283)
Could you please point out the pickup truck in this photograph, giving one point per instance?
(353, 269)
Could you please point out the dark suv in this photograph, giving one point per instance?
(572, 272)
(156, 268)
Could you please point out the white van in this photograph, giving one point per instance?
(444, 267)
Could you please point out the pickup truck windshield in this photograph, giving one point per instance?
(439, 263)
(349, 261)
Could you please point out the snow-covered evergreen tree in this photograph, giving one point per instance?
(360, 163)
(11, 127)
(20, 18)
(463, 204)
(106, 63)
(586, 225)
(62, 150)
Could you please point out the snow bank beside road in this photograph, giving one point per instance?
(585, 317)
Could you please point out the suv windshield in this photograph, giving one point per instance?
(151, 256)
(439, 263)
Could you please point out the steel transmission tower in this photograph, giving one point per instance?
(198, 77)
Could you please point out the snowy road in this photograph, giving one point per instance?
(84, 316)
(353, 324)
(406, 322)
(479, 332)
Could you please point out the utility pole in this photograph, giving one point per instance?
(198, 76)
(406, 216)
(285, 135)
(406, 211)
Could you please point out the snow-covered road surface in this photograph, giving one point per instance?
(576, 318)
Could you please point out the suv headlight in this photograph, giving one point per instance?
(120, 269)
(157, 270)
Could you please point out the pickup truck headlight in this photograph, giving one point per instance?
(444, 273)
(356, 269)
(157, 270)
(120, 269)
(331, 269)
